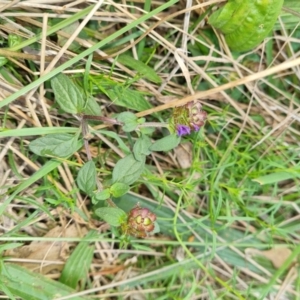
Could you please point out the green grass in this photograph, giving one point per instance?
(226, 199)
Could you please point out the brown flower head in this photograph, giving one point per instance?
(140, 221)
(197, 116)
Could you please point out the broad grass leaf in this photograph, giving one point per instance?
(128, 170)
(67, 94)
(78, 264)
(289, 20)
(275, 177)
(60, 145)
(25, 284)
(8, 246)
(140, 67)
(167, 143)
(86, 178)
(112, 215)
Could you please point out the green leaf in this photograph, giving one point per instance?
(6, 291)
(67, 94)
(60, 145)
(78, 264)
(70, 62)
(244, 33)
(3, 61)
(141, 147)
(167, 143)
(25, 284)
(61, 40)
(86, 179)
(140, 67)
(5, 247)
(112, 215)
(289, 20)
(129, 119)
(41, 173)
(92, 107)
(115, 136)
(101, 196)
(127, 170)
(119, 189)
(14, 40)
(122, 95)
(147, 130)
(275, 177)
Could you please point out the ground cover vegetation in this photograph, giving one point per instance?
(149, 149)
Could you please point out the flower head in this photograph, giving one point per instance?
(187, 118)
(182, 130)
(140, 222)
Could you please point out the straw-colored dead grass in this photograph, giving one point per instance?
(33, 109)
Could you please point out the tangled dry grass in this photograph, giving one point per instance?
(253, 104)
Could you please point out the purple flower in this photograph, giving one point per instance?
(183, 129)
(187, 118)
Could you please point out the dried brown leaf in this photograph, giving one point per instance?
(44, 256)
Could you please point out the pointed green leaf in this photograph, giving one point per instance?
(141, 147)
(112, 215)
(115, 136)
(127, 170)
(140, 67)
(101, 196)
(275, 177)
(129, 119)
(67, 94)
(92, 107)
(86, 179)
(167, 143)
(122, 95)
(60, 145)
(119, 189)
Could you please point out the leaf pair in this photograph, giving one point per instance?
(86, 181)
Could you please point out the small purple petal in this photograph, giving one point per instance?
(196, 127)
(183, 129)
